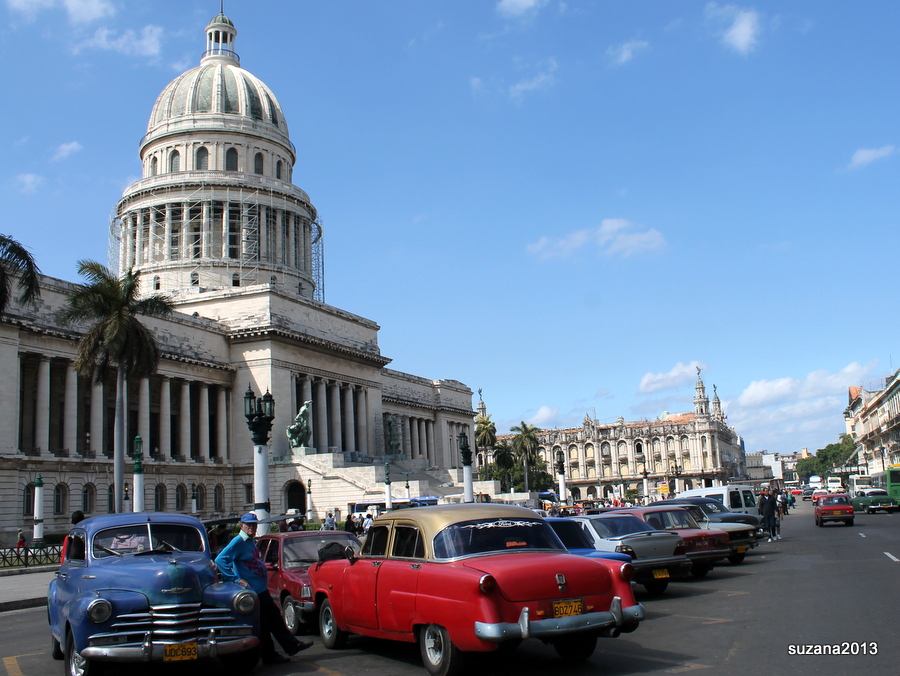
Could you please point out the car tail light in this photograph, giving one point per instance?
(305, 592)
(625, 549)
(679, 547)
(487, 584)
(99, 610)
(626, 572)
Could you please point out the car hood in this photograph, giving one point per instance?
(535, 576)
(162, 578)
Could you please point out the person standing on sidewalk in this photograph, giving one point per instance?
(241, 562)
(767, 509)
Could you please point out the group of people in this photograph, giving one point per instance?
(774, 505)
(358, 524)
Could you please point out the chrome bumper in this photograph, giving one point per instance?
(148, 651)
(616, 616)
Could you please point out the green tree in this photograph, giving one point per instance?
(16, 260)
(115, 339)
(504, 461)
(825, 459)
(485, 432)
(525, 447)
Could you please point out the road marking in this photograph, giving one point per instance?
(862, 535)
(12, 666)
(708, 620)
(891, 556)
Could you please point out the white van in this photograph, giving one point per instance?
(737, 497)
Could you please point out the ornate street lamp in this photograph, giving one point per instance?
(561, 476)
(138, 470)
(676, 472)
(388, 499)
(466, 455)
(645, 474)
(193, 498)
(260, 412)
(407, 485)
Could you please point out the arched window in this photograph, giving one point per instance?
(159, 498)
(28, 500)
(89, 498)
(278, 166)
(156, 283)
(195, 279)
(258, 164)
(219, 498)
(180, 497)
(231, 160)
(235, 279)
(202, 163)
(60, 499)
(174, 161)
(153, 165)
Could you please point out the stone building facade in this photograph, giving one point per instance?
(216, 223)
(675, 452)
(873, 420)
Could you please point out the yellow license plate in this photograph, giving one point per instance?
(741, 550)
(174, 652)
(566, 608)
(660, 573)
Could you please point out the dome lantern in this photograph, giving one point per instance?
(220, 35)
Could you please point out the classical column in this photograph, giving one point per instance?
(334, 409)
(167, 235)
(184, 421)
(222, 424)
(414, 451)
(349, 419)
(143, 416)
(42, 410)
(70, 411)
(362, 423)
(203, 417)
(165, 419)
(321, 411)
(423, 440)
(97, 406)
(429, 441)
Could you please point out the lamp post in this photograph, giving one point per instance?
(126, 499)
(194, 498)
(466, 454)
(388, 499)
(260, 412)
(310, 512)
(138, 505)
(407, 485)
(561, 476)
(38, 533)
(676, 471)
(645, 474)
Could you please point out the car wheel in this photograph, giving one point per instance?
(55, 649)
(849, 523)
(656, 586)
(869, 510)
(737, 558)
(290, 614)
(333, 637)
(76, 665)
(242, 663)
(439, 655)
(576, 647)
(700, 571)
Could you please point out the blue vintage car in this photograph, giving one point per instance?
(143, 588)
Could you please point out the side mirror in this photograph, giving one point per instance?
(349, 553)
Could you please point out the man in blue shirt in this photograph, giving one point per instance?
(241, 562)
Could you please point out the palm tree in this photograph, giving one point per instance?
(485, 431)
(115, 339)
(15, 259)
(504, 458)
(525, 446)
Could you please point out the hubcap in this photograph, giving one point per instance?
(433, 646)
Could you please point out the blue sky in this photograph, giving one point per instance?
(568, 204)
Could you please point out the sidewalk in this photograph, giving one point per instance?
(25, 587)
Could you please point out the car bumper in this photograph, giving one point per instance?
(708, 556)
(615, 618)
(148, 651)
(645, 572)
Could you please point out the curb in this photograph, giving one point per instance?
(21, 604)
(25, 571)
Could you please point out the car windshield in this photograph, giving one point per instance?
(494, 535)
(299, 552)
(146, 537)
(835, 500)
(614, 526)
(714, 508)
(671, 519)
(875, 491)
(571, 534)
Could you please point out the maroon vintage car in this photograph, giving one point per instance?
(834, 507)
(705, 546)
(467, 578)
(288, 557)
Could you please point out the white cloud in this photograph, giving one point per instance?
(545, 417)
(29, 183)
(79, 11)
(622, 54)
(613, 237)
(816, 384)
(543, 80)
(518, 9)
(864, 156)
(678, 376)
(65, 150)
(738, 28)
(148, 43)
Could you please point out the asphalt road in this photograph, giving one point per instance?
(832, 586)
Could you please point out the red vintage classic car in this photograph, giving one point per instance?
(834, 507)
(288, 557)
(705, 546)
(465, 578)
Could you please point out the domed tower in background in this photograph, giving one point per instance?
(215, 207)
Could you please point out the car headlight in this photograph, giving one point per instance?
(99, 610)
(245, 602)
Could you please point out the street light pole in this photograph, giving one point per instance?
(466, 454)
(138, 504)
(260, 412)
(37, 536)
(645, 473)
(561, 476)
(676, 470)
(388, 499)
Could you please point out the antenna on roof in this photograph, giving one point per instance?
(221, 6)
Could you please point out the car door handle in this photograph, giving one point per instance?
(377, 563)
(415, 566)
(62, 575)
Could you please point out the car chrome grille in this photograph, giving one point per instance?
(172, 624)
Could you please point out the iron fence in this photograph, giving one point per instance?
(12, 557)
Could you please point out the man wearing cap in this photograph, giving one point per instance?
(241, 562)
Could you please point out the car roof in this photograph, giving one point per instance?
(434, 518)
(305, 534)
(95, 523)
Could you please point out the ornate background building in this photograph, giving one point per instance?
(216, 223)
